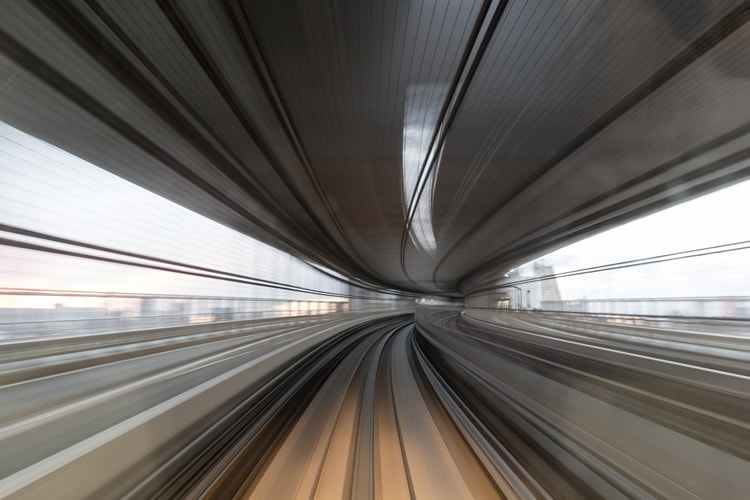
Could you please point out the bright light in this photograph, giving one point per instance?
(423, 103)
(709, 221)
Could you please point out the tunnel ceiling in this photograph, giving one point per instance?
(418, 145)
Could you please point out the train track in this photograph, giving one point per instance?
(120, 417)
(375, 430)
(456, 405)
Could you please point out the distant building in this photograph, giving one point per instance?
(544, 293)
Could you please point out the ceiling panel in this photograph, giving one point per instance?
(423, 145)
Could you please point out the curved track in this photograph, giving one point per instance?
(375, 430)
(481, 405)
(472, 404)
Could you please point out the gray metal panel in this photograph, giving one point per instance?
(286, 120)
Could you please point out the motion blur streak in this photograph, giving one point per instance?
(466, 404)
(485, 404)
(374, 249)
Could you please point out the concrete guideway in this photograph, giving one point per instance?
(125, 412)
(474, 405)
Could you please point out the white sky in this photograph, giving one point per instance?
(715, 219)
(48, 190)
